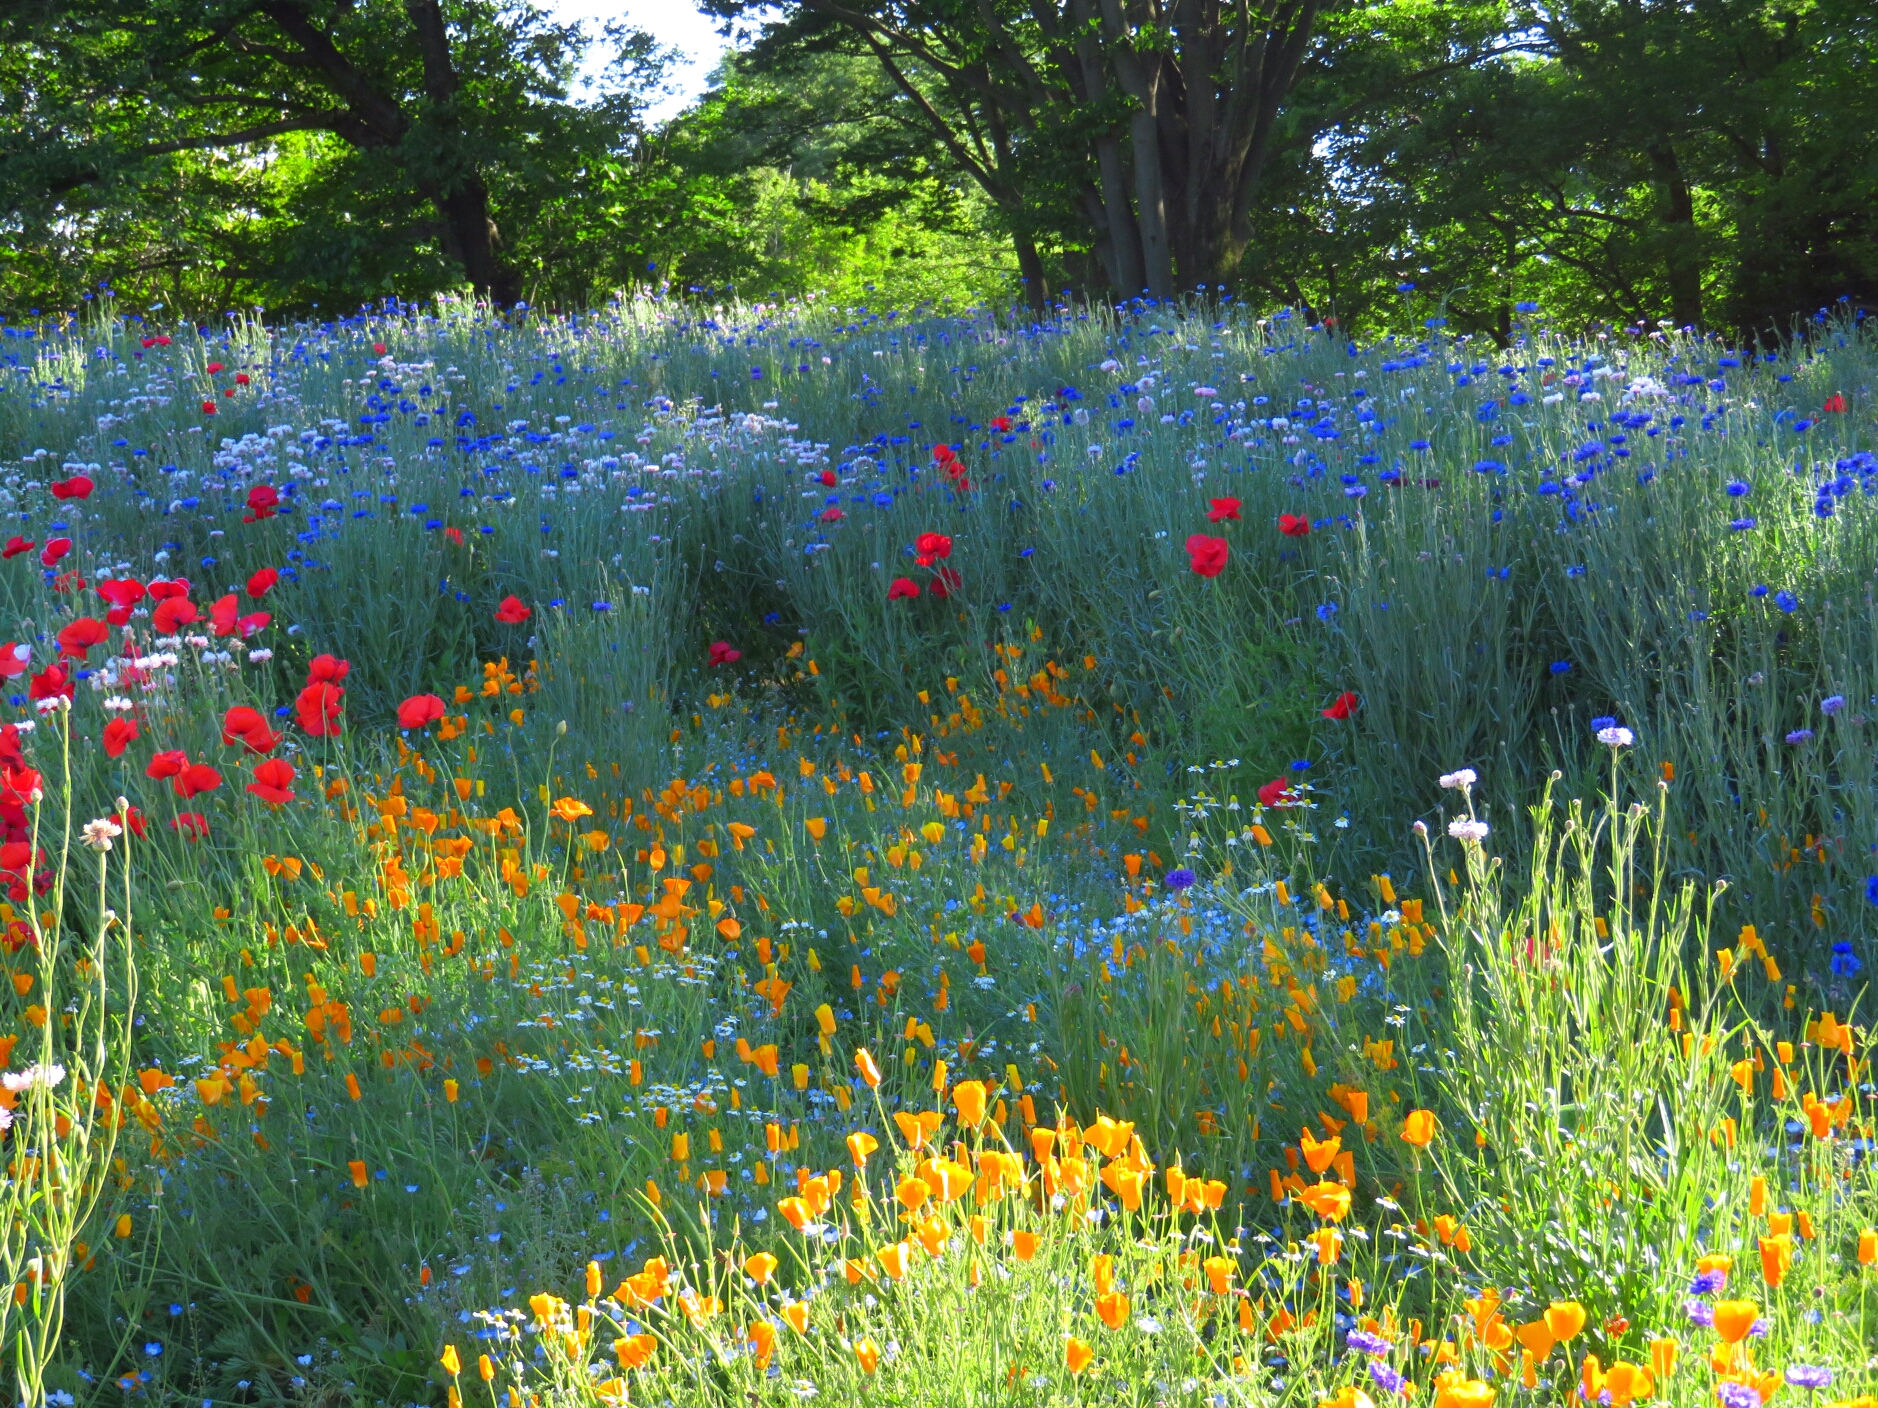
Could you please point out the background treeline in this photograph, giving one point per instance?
(1704, 162)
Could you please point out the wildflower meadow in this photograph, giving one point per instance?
(758, 854)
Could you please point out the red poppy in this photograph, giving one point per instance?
(223, 616)
(213, 368)
(77, 638)
(1835, 404)
(378, 349)
(14, 660)
(318, 707)
(931, 547)
(1219, 510)
(1276, 793)
(263, 502)
(1341, 709)
(241, 378)
(194, 779)
(1294, 525)
(831, 515)
(272, 781)
(208, 409)
(137, 821)
(827, 478)
(455, 535)
(903, 587)
(943, 454)
(50, 682)
(77, 487)
(262, 582)
(21, 785)
(419, 710)
(513, 611)
(169, 763)
(17, 545)
(172, 614)
(118, 735)
(1000, 423)
(723, 653)
(327, 669)
(123, 593)
(1208, 555)
(945, 582)
(248, 726)
(192, 826)
(54, 549)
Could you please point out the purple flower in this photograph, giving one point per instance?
(1700, 1314)
(1800, 735)
(1707, 1283)
(1809, 1376)
(1180, 879)
(1385, 1378)
(1366, 1343)
(1732, 1395)
(1831, 704)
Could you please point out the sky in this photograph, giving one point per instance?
(675, 23)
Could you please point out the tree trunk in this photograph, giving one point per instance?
(1129, 273)
(1030, 266)
(1682, 256)
(453, 183)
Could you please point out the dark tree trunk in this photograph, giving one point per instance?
(1030, 266)
(1682, 255)
(452, 183)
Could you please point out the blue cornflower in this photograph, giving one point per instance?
(1525, 306)
(1786, 601)
(1844, 962)
(1809, 1376)
(1740, 525)
(1602, 722)
(1700, 1314)
(1326, 611)
(1737, 489)
(1733, 1395)
(1560, 667)
(1365, 1343)
(1800, 735)
(1180, 879)
(1757, 590)
(1384, 1377)
(1871, 889)
(1707, 1284)
(1831, 704)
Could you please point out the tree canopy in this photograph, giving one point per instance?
(1643, 161)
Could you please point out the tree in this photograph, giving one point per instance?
(449, 98)
(1150, 124)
